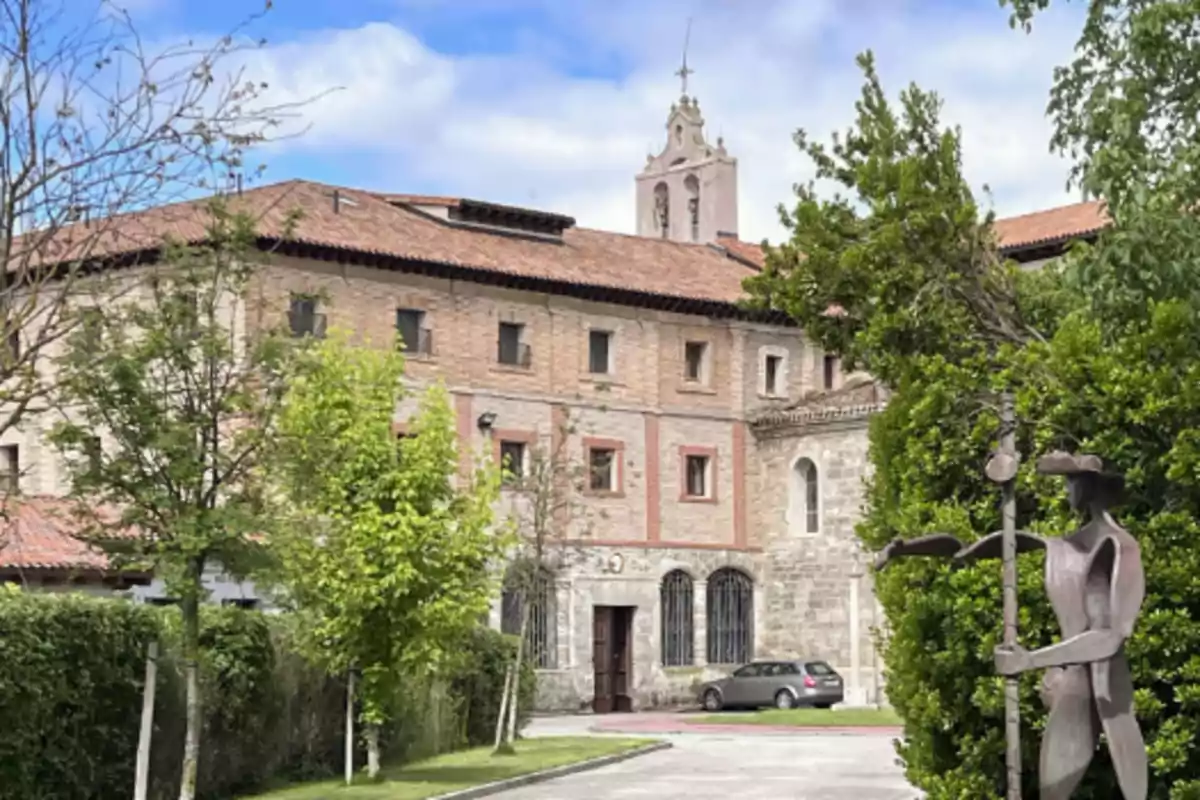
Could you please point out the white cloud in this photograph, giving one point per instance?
(516, 128)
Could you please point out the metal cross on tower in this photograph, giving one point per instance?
(683, 71)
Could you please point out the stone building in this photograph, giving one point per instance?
(723, 454)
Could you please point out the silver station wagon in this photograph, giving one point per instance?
(783, 684)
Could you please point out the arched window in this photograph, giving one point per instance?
(805, 505)
(541, 633)
(692, 186)
(678, 637)
(662, 210)
(730, 617)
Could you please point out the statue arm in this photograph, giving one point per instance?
(940, 545)
(992, 546)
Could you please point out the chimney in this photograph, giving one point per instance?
(337, 202)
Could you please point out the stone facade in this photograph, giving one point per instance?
(653, 417)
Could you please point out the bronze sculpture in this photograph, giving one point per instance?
(1096, 586)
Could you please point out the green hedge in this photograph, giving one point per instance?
(71, 674)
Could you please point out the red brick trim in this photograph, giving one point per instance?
(591, 443)
(688, 450)
(465, 423)
(653, 480)
(739, 483)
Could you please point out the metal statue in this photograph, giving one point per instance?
(1096, 586)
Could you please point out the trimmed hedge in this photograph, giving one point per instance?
(71, 675)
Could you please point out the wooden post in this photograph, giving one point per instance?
(1008, 510)
(142, 776)
(350, 727)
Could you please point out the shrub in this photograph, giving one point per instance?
(71, 675)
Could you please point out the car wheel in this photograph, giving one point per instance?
(712, 700)
(784, 699)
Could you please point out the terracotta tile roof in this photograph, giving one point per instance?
(1051, 225)
(39, 533)
(746, 251)
(382, 225)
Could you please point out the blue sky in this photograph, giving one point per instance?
(555, 103)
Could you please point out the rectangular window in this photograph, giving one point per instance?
(696, 476)
(694, 354)
(10, 468)
(414, 336)
(598, 352)
(830, 371)
(303, 318)
(771, 374)
(512, 460)
(602, 469)
(511, 350)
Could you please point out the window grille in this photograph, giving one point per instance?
(678, 635)
(730, 617)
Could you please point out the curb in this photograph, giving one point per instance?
(541, 776)
(758, 730)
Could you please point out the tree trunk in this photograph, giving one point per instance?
(349, 726)
(502, 717)
(190, 608)
(514, 701)
(372, 733)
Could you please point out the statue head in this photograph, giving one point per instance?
(1089, 488)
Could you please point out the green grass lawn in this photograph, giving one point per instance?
(809, 718)
(462, 770)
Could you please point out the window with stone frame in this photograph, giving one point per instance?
(535, 586)
(730, 616)
(676, 604)
(599, 352)
(772, 369)
(695, 362)
(512, 460)
(805, 498)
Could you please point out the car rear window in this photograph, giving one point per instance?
(818, 668)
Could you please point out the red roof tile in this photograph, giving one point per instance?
(367, 222)
(40, 533)
(1051, 225)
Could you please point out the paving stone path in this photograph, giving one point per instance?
(739, 761)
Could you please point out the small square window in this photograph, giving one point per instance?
(303, 319)
(694, 354)
(771, 369)
(512, 460)
(599, 352)
(696, 476)
(602, 469)
(830, 371)
(414, 336)
(510, 347)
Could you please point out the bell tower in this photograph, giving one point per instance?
(688, 192)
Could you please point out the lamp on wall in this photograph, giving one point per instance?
(486, 420)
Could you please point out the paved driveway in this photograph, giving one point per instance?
(703, 766)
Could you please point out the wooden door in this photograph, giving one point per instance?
(622, 654)
(602, 660)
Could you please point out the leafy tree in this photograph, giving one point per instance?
(389, 561)
(168, 412)
(96, 123)
(1100, 350)
(541, 507)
